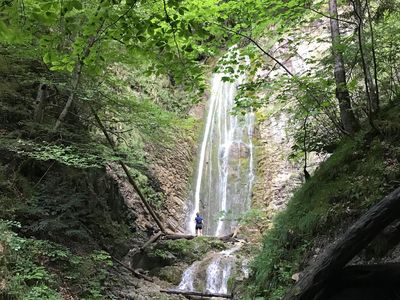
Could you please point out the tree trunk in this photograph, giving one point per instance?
(370, 274)
(349, 121)
(41, 98)
(374, 60)
(384, 242)
(366, 282)
(336, 256)
(75, 82)
(370, 87)
(127, 173)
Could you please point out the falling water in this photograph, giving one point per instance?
(187, 281)
(223, 183)
(225, 175)
(219, 270)
(215, 269)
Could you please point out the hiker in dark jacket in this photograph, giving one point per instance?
(199, 225)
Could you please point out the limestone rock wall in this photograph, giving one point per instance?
(173, 168)
(277, 176)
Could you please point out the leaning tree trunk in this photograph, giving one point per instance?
(128, 174)
(349, 121)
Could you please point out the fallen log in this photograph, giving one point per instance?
(200, 294)
(178, 236)
(134, 272)
(153, 239)
(228, 238)
(336, 256)
(225, 238)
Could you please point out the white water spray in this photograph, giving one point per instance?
(225, 174)
(187, 281)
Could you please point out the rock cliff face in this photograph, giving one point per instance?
(143, 221)
(276, 175)
(173, 168)
(169, 171)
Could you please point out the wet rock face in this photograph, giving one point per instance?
(239, 150)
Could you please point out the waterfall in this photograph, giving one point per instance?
(223, 182)
(215, 269)
(219, 270)
(225, 174)
(188, 277)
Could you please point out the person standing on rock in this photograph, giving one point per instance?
(199, 225)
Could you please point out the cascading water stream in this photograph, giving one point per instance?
(186, 283)
(223, 182)
(225, 173)
(215, 269)
(219, 270)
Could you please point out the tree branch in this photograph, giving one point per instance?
(327, 16)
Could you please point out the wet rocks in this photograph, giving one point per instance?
(172, 274)
(239, 150)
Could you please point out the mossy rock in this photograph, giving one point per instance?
(171, 274)
(188, 250)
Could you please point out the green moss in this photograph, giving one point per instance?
(187, 250)
(172, 274)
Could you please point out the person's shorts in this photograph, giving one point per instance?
(199, 226)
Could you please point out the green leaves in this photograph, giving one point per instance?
(74, 4)
(57, 62)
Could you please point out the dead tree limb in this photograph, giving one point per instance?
(134, 272)
(200, 294)
(335, 257)
(127, 173)
(153, 239)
